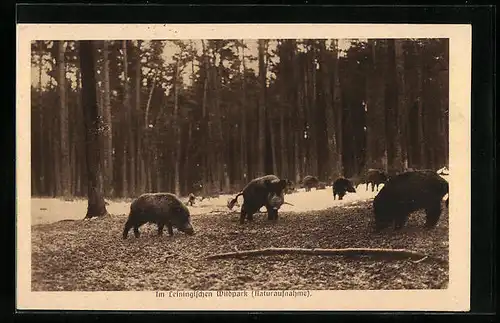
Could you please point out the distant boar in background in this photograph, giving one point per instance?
(341, 186)
(309, 182)
(375, 177)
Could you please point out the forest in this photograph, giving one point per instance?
(219, 113)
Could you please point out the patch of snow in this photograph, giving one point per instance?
(49, 210)
(443, 171)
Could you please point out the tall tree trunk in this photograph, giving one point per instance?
(158, 175)
(108, 134)
(262, 110)
(41, 137)
(444, 78)
(337, 113)
(402, 104)
(234, 154)
(219, 169)
(427, 116)
(148, 104)
(73, 136)
(63, 119)
(394, 97)
(100, 105)
(52, 142)
(283, 137)
(96, 205)
(139, 135)
(148, 154)
(51, 184)
(307, 117)
(296, 155)
(313, 124)
(131, 152)
(270, 117)
(222, 156)
(56, 152)
(420, 80)
(187, 160)
(284, 56)
(177, 126)
(79, 141)
(244, 128)
(206, 128)
(432, 116)
(35, 133)
(126, 137)
(299, 131)
(74, 169)
(411, 118)
(376, 144)
(157, 172)
(329, 114)
(273, 146)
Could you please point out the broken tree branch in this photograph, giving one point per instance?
(392, 254)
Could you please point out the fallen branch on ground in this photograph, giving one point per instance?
(420, 260)
(392, 254)
(220, 211)
(169, 256)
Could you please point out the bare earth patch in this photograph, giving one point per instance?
(92, 256)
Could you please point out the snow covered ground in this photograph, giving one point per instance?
(49, 210)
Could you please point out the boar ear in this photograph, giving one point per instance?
(273, 185)
(269, 184)
(282, 184)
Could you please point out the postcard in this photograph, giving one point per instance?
(243, 167)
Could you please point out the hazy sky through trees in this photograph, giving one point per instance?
(170, 50)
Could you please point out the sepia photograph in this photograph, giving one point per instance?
(200, 167)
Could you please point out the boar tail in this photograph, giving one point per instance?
(231, 203)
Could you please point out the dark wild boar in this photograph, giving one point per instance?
(265, 191)
(375, 177)
(162, 209)
(406, 193)
(309, 182)
(341, 186)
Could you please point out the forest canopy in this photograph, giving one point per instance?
(221, 112)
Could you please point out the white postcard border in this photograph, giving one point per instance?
(455, 298)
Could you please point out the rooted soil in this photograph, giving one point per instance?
(92, 256)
